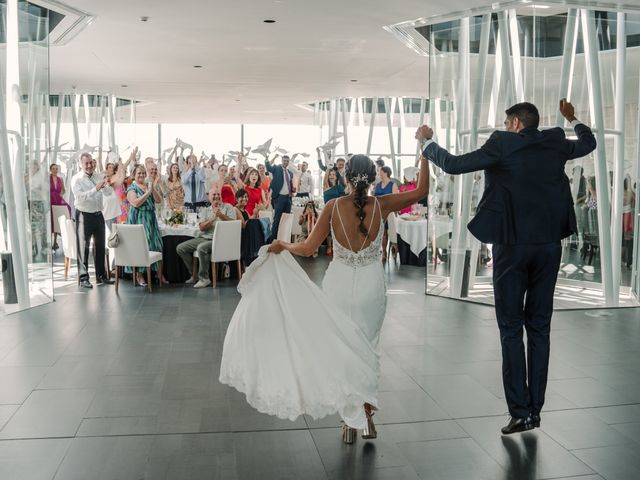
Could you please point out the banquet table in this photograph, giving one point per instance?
(173, 235)
(412, 241)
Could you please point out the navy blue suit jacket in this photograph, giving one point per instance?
(527, 197)
(277, 178)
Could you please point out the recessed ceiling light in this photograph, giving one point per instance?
(269, 21)
(197, 66)
(237, 100)
(124, 86)
(144, 19)
(354, 81)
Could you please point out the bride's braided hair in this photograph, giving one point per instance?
(361, 173)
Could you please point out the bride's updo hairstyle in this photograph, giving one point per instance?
(361, 173)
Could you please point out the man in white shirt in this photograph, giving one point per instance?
(305, 181)
(221, 212)
(88, 190)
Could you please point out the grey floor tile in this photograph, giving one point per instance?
(575, 429)
(617, 414)
(399, 407)
(629, 430)
(620, 462)
(49, 413)
(16, 383)
(421, 431)
(528, 455)
(35, 351)
(6, 412)
(451, 459)
(587, 392)
(31, 459)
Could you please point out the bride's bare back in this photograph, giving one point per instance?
(346, 223)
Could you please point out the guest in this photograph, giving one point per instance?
(111, 204)
(307, 223)
(281, 191)
(252, 233)
(56, 192)
(143, 196)
(385, 187)
(88, 192)
(175, 190)
(339, 167)
(628, 207)
(265, 179)
(410, 176)
(221, 212)
(193, 183)
(332, 189)
(228, 190)
(257, 198)
(243, 168)
(305, 181)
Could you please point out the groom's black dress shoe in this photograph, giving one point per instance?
(516, 425)
(105, 280)
(535, 419)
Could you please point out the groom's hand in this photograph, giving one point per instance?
(424, 133)
(567, 110)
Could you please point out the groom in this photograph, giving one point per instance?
(525, 211)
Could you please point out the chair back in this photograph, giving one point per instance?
(296, 228)
(393, 228)
(226, 241)
(58, 211)
(286, 225)
(266, 214)
(132, 249)
(68, 235)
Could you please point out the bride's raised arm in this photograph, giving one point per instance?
(313, 241)
(398, 201)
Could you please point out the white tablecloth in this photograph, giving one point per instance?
(414, 232)
(182, 230)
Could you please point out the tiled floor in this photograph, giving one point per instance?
(99, 386)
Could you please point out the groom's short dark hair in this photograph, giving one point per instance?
(526, 112)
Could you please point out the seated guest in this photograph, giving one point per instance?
(221, 212)
(257, 198)
(193, 182)
(307, 222)
(142, 197)
(252, 232)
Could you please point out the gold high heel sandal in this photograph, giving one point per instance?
(348, 434)
(369, 432)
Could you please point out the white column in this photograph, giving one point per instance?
(420, 123)
(635, 280)
(372, 121)
(602, 175)
(345, 126)
(618, 165)
(568, 60)
(387, 108)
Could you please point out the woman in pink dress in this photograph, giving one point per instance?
(56, 189)
(409, 184)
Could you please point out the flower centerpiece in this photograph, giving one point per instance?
(176, 218)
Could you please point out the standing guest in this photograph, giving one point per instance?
(221, 212)
(56, 192)
(281, 191)
(88, 192)
(525, 211)
(305, 181)
(332, 190)
(385, 187)
(175, 195)
(339, 167)
(194, 184)
(410, 174)
(111, 204)
(143, 196)
(257, 198)
(265, 179)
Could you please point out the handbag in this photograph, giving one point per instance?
(113, 241)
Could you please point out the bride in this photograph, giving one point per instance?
(294, 349)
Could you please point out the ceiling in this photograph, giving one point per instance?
(252, 72)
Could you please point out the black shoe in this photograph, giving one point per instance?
(535, 419)
(516, 425)
(105, 280)
(85, 284)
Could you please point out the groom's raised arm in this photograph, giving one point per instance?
(486, 156)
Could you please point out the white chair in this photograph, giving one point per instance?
(69, 242)
(225, 246)
(296, 228)
(57, 212)
(133, 251)
(392, 235)
(285, 227)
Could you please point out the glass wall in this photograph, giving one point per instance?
(541, 52)
(25, 224)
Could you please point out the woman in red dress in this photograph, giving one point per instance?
(257, 197)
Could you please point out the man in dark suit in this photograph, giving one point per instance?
(281, 191)
(525, 211)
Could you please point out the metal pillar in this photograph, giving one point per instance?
(618, 165)
(507, 63)
(568, 59)
(374, 110)
(516, 58)
(635, 280)
(387, 108)
(602, 176)
(345, 128)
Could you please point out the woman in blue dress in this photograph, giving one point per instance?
(142, 197)
(385, 186)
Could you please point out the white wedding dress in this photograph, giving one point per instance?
(295, 349)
